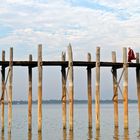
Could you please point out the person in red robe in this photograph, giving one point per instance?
(131, 55)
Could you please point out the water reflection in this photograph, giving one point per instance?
(116, 133)
(9, 136)
(97, 137)
(64, 134)
(39, 136)
(126, 134)
(138, 136)
(89, 134)
(71, 135)
(29, 135)
(2, 135)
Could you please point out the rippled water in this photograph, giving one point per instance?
(52, 124)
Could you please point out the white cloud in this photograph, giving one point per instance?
(119, 4)
(56, 23)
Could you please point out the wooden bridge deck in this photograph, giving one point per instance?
(65, 64)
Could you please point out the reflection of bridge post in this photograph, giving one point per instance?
(116, 133)
(29, 135)
(2, 135)
(71, 137)
(64, 134)
(126, 134)
(97, 137)
(9, 136)
(39, 135)
(90, 134)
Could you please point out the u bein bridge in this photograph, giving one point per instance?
(67, 75)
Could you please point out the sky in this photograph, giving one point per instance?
(85, 24)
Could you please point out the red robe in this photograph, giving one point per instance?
(131, 55)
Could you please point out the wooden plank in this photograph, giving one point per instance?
(65, 64)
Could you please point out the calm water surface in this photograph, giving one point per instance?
(52, 124)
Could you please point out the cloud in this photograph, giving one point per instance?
(56, 23)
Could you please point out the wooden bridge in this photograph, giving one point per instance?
(67, 75)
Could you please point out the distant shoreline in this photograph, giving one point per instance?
(75, 102)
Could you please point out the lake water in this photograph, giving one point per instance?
(52, 124)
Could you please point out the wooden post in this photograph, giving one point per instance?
(63, 71)
(39, 88)
(115, 90)
(71, 86)
(125, 88)
(138, 83)
(30, 96)
(3, 92)
(97, 96)
(10, 90)
(89, 93)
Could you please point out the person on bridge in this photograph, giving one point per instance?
(131, 55)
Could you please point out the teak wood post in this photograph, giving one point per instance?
(3, 91)
(40, 88)
(125, 88)
(138, 83)
(30, 96)
(97, 94)
(10, 90)
(71, 87)
(63, 71)
(115, 90)
(89, 92)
